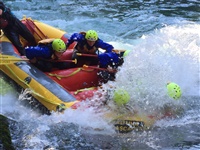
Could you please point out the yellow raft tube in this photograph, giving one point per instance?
(46, 91)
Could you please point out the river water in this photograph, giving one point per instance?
(164, 39)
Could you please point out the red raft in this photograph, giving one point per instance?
(52, 89)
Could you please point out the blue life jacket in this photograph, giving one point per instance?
(83, 47)
(39, 51)
(106, 59)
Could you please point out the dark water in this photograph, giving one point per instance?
(165, 39)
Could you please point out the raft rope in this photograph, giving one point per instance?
(59, 77)
(85, 89)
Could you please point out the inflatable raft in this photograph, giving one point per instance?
(60, 89)
(56, 89)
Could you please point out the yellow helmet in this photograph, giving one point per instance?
(59, 45)
(91, 35)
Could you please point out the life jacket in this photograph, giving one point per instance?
(3, 23)
(83, 46)
(45, 41)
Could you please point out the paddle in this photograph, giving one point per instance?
(93, 55)
(74, 61)
(118, 50)
(103, 69)
(6, 59)
(114, 50)
(87, 55)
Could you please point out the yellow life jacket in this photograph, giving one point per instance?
(45, 41)
(85, 48)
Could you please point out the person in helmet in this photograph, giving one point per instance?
(45, 52)
(13, 28)
(88, 43)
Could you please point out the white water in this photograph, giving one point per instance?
(170, 54)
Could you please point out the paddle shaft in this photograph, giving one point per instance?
(74, 61)
(87, 55)
(118, 50)
(114, 50)
(102, 69)
(9, 60)
(96, 56)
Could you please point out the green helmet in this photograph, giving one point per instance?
(126, 53)
(174, 90)
(59, 45)
(91, 35)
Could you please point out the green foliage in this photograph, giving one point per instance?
(4, 87)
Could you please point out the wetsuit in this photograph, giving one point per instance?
(13, 27)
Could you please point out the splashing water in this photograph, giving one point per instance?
(169, 55)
